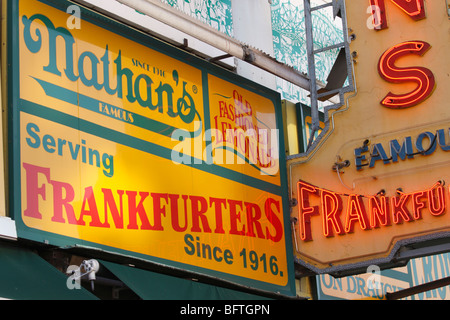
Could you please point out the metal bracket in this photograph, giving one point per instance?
(418, 289)
(218, 58)
(249, 55)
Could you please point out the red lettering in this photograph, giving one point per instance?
(218, 202)
(135, 210)
(379, 18)
(110, 203)
(379, 212)
(331, 210)
(253, 216)
(417, 204)
(356, 212)
(413, 8)
(235, 217)
(238, 99)
(423, 77)
(60, 202)
(400, 212)
(158, 209)
(436, 201)
(246, 218)
(222, 107)
(273, 219)
(173, 199)
(89, 199)
(305, 210)
(33, 190)
(199, 207)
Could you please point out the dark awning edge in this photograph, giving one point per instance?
(24, 275)
(149, 285)
(174, 272)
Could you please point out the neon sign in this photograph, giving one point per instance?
(387, 69)
(413, 8)
(423, 77)
(366, 212)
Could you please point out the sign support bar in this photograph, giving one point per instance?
(205, 33)
(418, 289)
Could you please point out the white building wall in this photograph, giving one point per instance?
(252, 25)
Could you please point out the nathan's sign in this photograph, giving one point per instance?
(127, 145)
(378, 182)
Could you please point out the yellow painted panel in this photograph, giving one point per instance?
(404, 149)
(118, 146)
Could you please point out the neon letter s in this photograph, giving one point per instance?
(391, 73)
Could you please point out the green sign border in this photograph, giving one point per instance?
(16, 105)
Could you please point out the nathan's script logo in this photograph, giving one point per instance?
(97, 72)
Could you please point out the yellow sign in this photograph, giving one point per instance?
(137, 148)
(378, 181)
